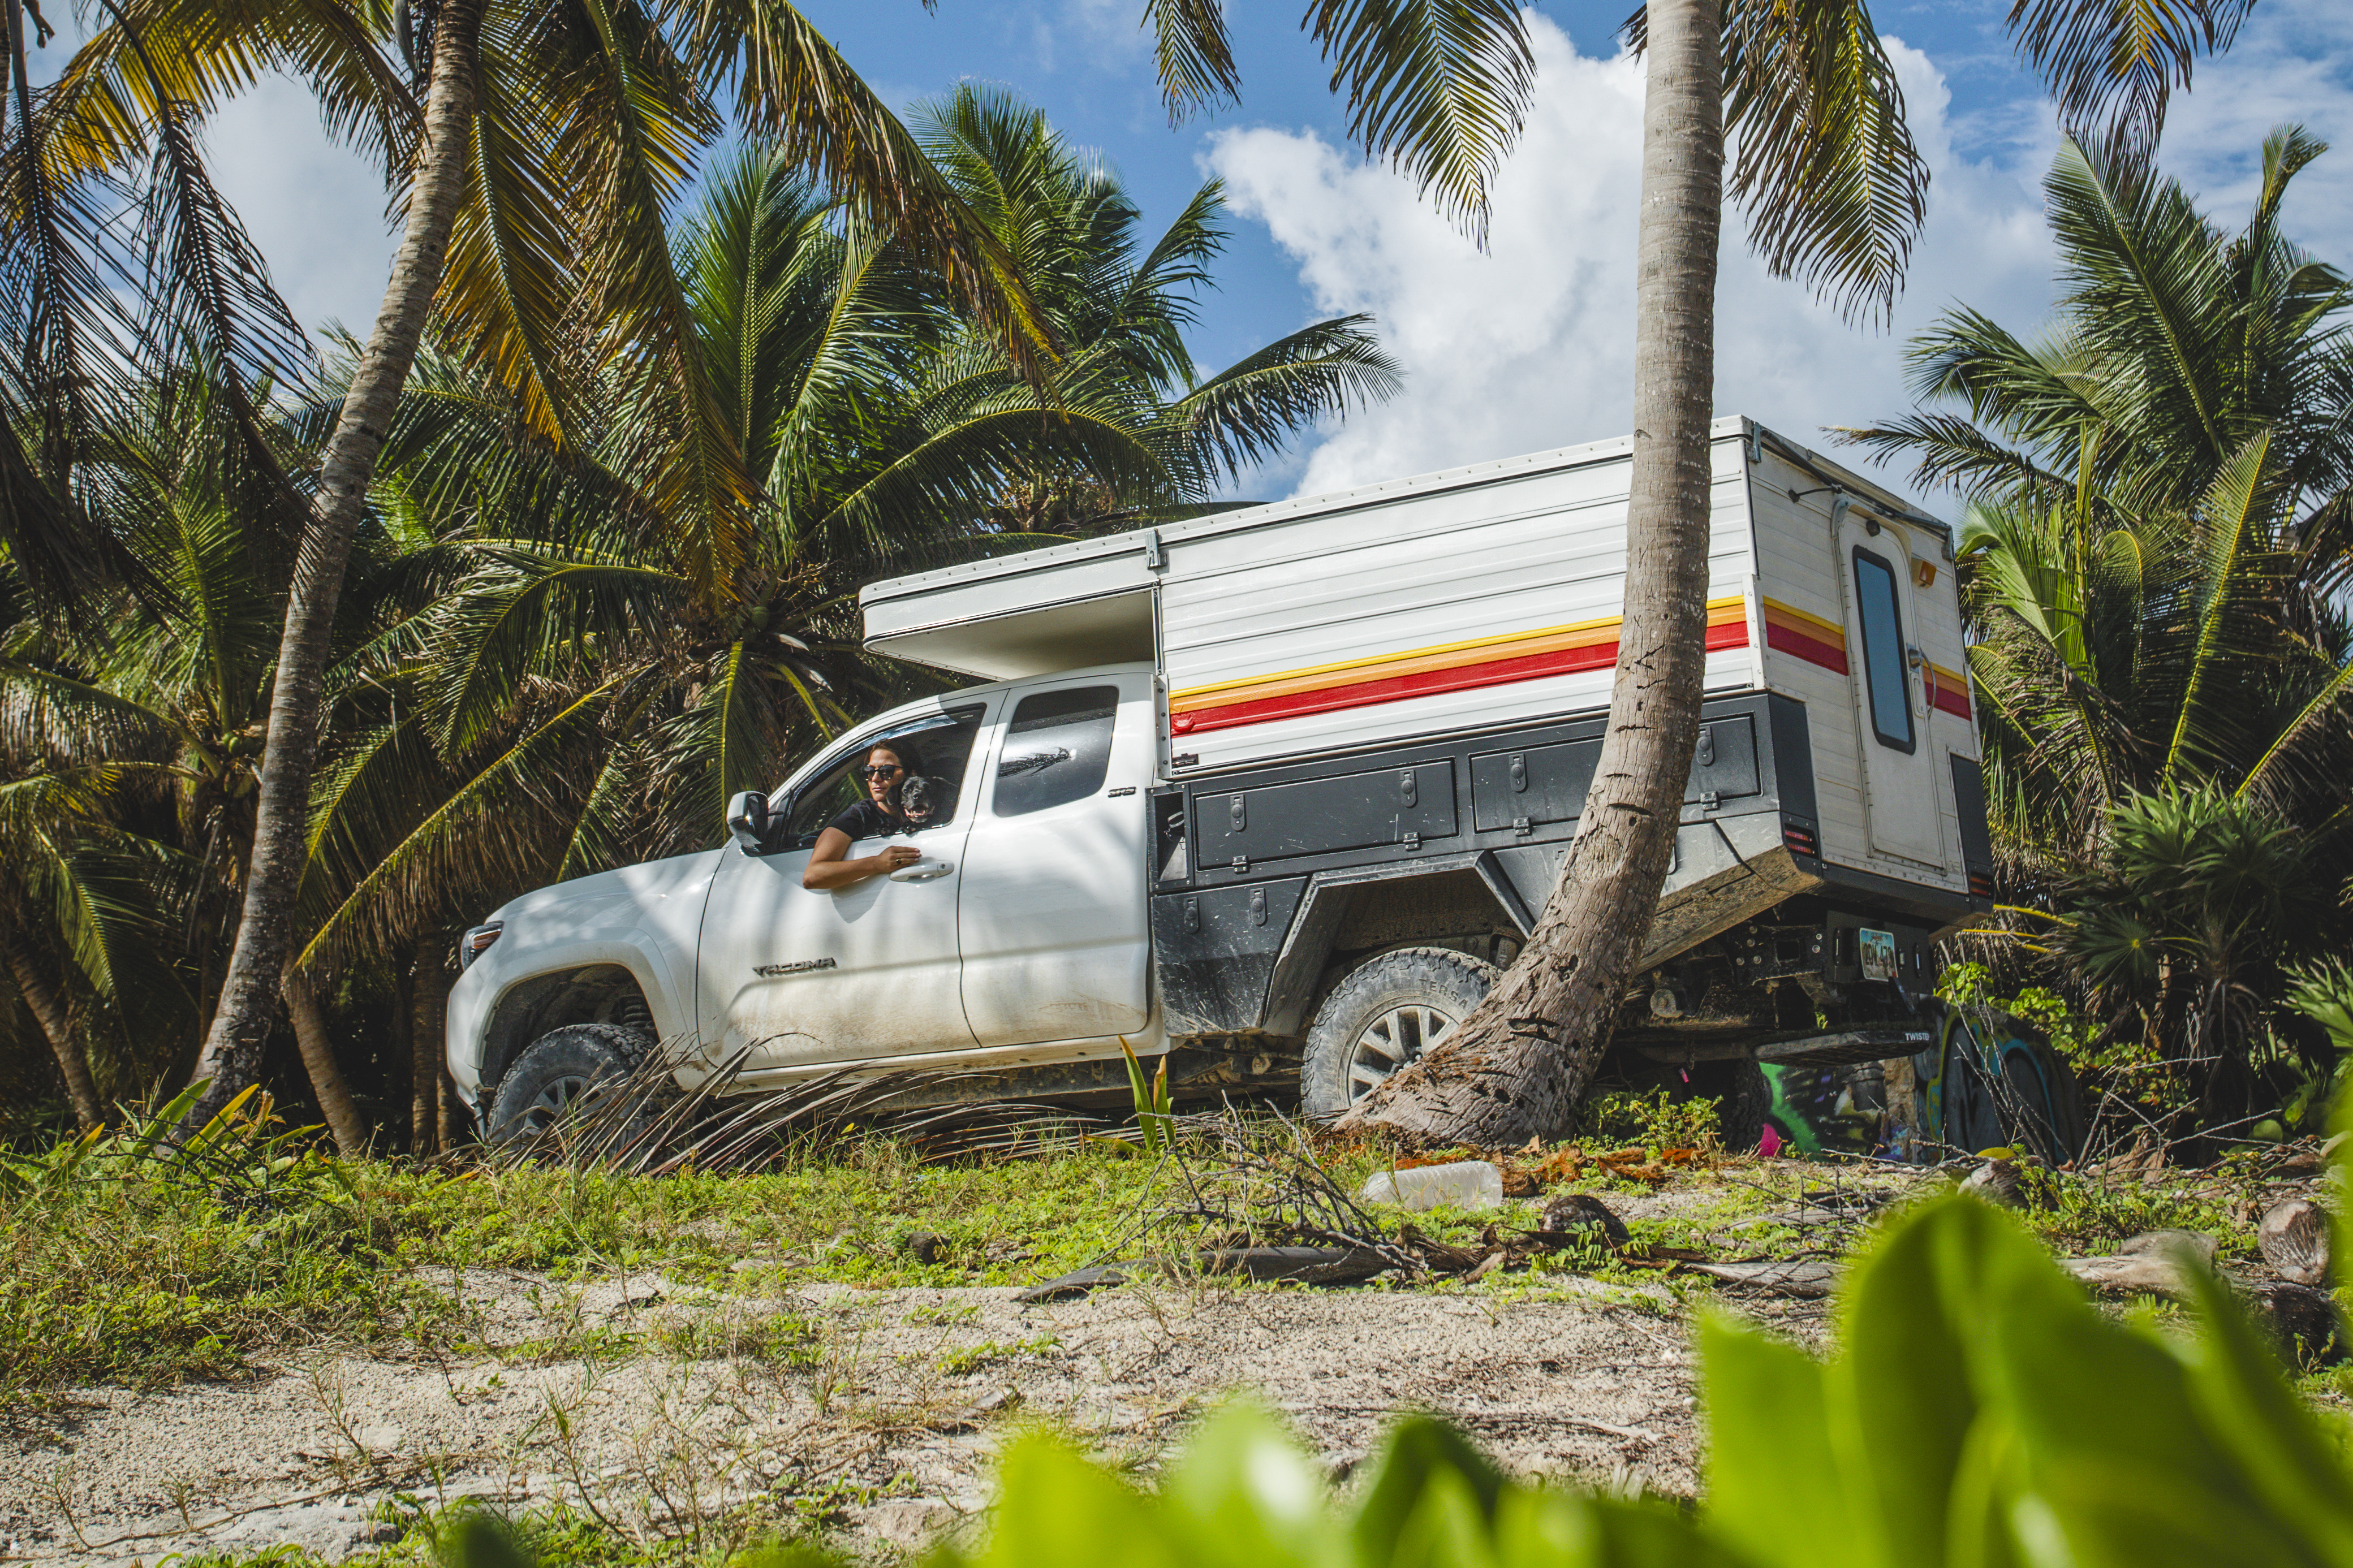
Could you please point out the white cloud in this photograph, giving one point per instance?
(316, 210)
(1531, 346)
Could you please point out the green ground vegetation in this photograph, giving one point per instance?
(124, 1262)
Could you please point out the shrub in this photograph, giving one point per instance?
(1655, 1120)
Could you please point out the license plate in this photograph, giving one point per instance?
(1878, 954)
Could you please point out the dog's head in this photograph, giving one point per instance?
(923, 798)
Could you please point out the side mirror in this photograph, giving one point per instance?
(747, 822)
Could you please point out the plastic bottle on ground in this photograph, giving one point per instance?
(1465, 1184)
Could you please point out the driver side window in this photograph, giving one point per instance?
(941, 744)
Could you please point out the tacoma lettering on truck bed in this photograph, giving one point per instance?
(1277, 790)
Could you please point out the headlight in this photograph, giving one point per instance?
(477, 942)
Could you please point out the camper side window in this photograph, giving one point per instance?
(1883, 650)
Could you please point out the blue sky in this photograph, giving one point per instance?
(1088, 65)
(1529, 344)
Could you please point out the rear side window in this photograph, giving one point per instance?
(1883, 650)
(1057, 750)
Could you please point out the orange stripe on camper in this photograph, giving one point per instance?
(1421, 672)
(1948, 690)
(1809, 637)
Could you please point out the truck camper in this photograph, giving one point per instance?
(1278, 790)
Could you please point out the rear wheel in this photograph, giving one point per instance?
(1388, 1012)
(557, 1072)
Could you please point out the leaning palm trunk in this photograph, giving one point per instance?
(241, 1026)
(327, 1085)
(1519, 1063)
(42, 998)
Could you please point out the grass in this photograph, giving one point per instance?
(119, 1264)
(557, 1536)
(123, 1263)
(139, 1272)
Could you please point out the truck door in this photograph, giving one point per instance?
(1057, 942)
(1899, 769)
(801, 976)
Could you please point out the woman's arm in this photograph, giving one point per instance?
(826, 869)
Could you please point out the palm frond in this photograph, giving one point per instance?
(2232, 522)
(47, 717)
(491, 829)
(1247, 413)
(2113, 65)
(1195, 55)
(508, 282)
(1439, 87)
(524, 607)
(791, 85)
(1947, 449)
(1824, 162)
(67, 339)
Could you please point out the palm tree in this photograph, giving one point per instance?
(548, 145)
(43, 883)
(2156, 556)
(1834, 189)
(158, 720)
(2154, 568)
(2175, 343)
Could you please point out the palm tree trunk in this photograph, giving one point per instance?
(428, 1006)
(1518, 1066)
(232, 1053)
(43, 999)
(327, 1085)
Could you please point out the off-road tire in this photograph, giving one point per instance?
(554, 1068)
(1432, 981)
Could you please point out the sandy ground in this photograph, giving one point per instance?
(889, 1409)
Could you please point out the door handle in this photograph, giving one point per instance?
(924, 871)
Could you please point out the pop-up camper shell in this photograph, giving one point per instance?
(1380, 711)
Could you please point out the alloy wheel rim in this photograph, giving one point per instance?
(549, 1105)
(1395, 1037)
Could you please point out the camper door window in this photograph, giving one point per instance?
(1883, 650)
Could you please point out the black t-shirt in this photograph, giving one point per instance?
(866, 820)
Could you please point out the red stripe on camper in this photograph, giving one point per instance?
(1813, 650)
(1425, 683)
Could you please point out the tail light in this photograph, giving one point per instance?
(1981, 884)
(477, 942)
(1800, 840)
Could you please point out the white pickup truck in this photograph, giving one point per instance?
(1278, 790)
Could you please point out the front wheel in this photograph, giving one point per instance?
(1388, 1012)
(557, 1072)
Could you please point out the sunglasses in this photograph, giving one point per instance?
(879, 770)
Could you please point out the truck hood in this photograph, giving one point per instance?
(681, 877)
